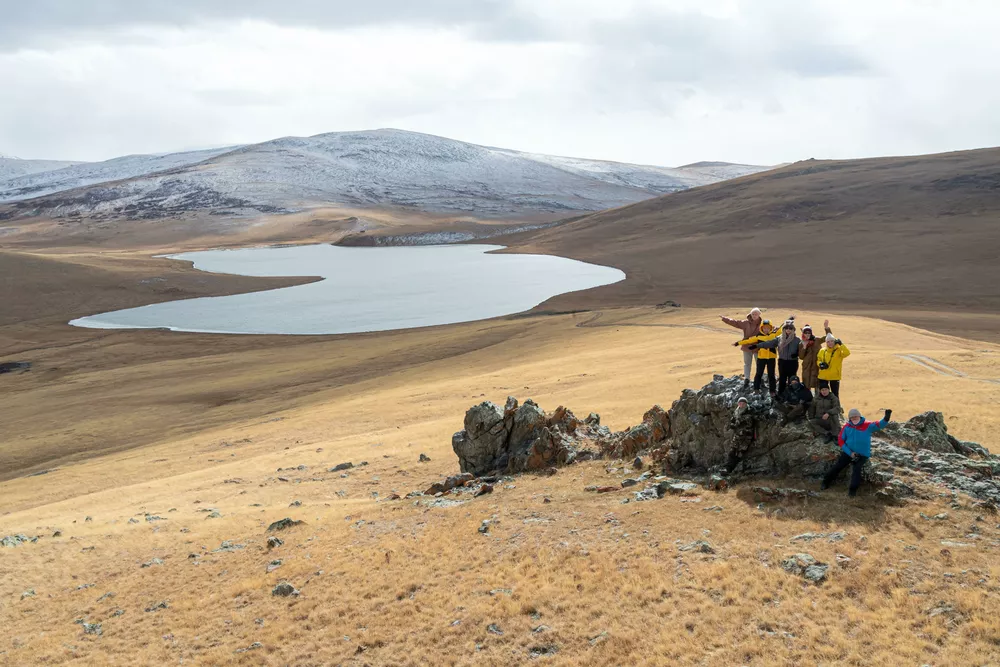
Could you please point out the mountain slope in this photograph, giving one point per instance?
(910, 232)
(12, 167)
(358, 169)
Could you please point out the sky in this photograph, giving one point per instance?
(664, 82)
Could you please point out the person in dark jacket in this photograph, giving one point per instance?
(794, 400)
(824, 413)
(855, 448)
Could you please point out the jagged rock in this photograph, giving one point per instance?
(494, 629)
(283, 524)
(151, 563)
(924, 431)
(654, 429)
(629, 482)
(274, 542)
(92, 629)
(341, 466)
(519, 438)
(424, 458)
(450, 483)
(699, 546)
(682, 489)
(30, 593)
(273, 565)
(483, 490)
(484, 527)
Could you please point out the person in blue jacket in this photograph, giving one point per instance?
(855, 447)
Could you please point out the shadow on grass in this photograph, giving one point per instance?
(806, 502)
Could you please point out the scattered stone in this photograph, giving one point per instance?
(106, 596)
(228, 547)
(341, 466)
(214, 515)
(607, 489)
(453, 482)
(483, 490)
(484, 527)
(273, 565)
(151, 563)
(424, 458)
(502, 591)
(541, 650)
(650, 493)
(92, 629)
(283, 524)
(805, 566)
(252, 647)
(133, 520)
(119, 612)
(713, 508)
(83, 587)
(150, 518)
(682, 489)
(540, 629)
(843, 561)
(58, 533)
(88, 519)
(629, 482)
(698, 546)
(14, 540)
(30, 593)
(637, 463)
(493, 629)
(717, 483)
(599, 638)
(284, 589)
(157, 607)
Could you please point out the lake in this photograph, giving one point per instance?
(364, 289)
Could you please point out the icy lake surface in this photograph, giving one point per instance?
(364, 289)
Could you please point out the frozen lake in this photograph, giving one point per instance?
(364, 289)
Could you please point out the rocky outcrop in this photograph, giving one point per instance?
(519, 438)
(695, 439)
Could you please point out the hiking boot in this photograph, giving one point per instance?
(746, 383)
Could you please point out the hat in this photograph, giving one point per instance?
(807, 328)
(789, 324)
(754, 311)
(742, 399)
(824, 384)
(794, 378)
(854, 413)
(830, 338)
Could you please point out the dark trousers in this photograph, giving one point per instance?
(786, 369)
(824, 426)
(763, 364)
(791, 412)
(835, 387)
(839, 466)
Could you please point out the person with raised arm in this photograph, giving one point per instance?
(830, 362)
(750, 326)
(765, 358)
(855, 448)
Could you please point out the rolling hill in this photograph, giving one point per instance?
(354, 169)
(920, 233)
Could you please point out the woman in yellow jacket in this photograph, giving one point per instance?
(766, 359)
(831, 362)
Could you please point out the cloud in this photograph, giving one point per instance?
(654, 81)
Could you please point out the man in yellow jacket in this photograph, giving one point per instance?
(766, 358)
(831, 362)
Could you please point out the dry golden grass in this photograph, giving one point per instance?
(391, 588)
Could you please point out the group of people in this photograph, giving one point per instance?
(815, 396)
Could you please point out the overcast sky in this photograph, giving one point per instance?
(650, 81)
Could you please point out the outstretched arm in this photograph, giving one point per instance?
(731, 322)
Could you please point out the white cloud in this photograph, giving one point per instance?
(667, 82)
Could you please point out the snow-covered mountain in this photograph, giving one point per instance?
(357, 169)
(12, 167)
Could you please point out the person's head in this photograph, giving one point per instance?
(765, 327)
(807, 332)
(794, 380)
(855, 416)
(824, 387)
(742, 402)
(830, 340)
(754, 314)
(788, 328)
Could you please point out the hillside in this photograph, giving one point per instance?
(376, 168)
(12, 167)
(914, 233)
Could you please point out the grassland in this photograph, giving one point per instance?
(132, 424)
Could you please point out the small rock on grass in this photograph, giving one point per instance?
(484, 527)
(284, 589)
(494, 629)
(424, 458)
(699, 546)
(283, 524)
(805, 566)
(544, 649)
(341, 466)
(151, 563)
(30, 593)
(273, 565)
(252, 647)
(92, 629)
(483, 490)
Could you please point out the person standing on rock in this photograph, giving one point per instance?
(765, 357)
(794, 401)
(855, 448)
(787, 348)
(750, 327)
(808, 349)
(830, 361)
(824, 413)
(744, 427)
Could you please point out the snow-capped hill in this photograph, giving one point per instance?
(77, 174)
(357, 169)
(721, 171)
(14, 167)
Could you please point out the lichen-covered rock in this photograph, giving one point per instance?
(520, 438)
(653, 431)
